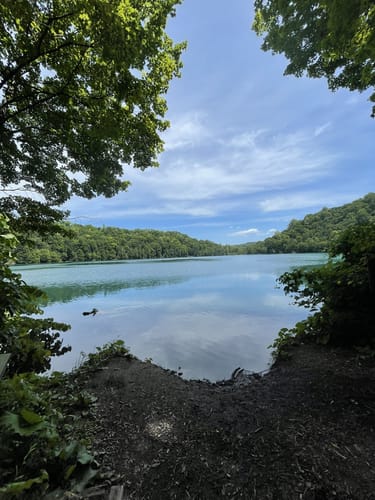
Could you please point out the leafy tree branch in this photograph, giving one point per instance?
(82, 90)
(332, 39)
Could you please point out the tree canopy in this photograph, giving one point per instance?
(87, 243)
(82, 92)
(334, 39)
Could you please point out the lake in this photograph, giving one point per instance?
(205, 315)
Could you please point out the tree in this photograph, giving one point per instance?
(82, 89)
(30, 341)
(334, 39)
(341, 293)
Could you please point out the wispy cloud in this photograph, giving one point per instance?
(322, 128)
(239, 167)
(305, 199)
(272, 163)
(245, 232)
(245, 139)
(186, 131)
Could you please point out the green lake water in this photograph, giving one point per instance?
(206, 315)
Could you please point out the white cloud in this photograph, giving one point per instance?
(185, 132)
(246, 232)
(319, 130)
(245, 139)
(285, 160)
(181, 209)
(219, 178)
(305, 200)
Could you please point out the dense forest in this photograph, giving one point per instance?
(316, 232)
(87, 243)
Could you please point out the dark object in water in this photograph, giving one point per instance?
(237, 372)
(93, 312)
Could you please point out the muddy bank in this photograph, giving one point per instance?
(305, 430)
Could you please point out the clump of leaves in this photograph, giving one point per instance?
(340, 294)
(105, 353)
(30, 341)
(38, 449)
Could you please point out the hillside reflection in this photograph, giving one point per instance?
(70, 291)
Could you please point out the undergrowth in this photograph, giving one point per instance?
(42, 450)
(340, 295)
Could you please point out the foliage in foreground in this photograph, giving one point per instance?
(340, 294)
(40, 451)
(30, 341)
(333, 39)
(37, 449)
(82, 93)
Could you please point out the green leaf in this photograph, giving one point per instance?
(83, 457)
(8, 236)
(69, 471)
(30, 417)
(86, 476)
(20, 486)
(13, 421)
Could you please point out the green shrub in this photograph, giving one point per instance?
(30, 341)
(38, 449)
(340, 294)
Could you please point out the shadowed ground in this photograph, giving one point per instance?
(303, 431)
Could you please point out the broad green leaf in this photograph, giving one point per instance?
(30, 417)
(20, 486)
(14, 422)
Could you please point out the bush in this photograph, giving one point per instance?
(30, 341)
(340, 293)
(38, 449)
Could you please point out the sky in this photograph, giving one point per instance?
(248, 149)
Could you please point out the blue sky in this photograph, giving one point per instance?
(248, 148)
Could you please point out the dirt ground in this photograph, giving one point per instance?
(303, 431)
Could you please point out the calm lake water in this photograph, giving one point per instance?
(205, 315)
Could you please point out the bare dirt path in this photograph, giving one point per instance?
(303, 431)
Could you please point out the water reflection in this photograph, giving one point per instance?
(207, 316)
(70, 291)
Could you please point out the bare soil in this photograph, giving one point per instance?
(303, 431)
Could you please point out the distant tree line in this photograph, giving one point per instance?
(89, 243)
(80, 243)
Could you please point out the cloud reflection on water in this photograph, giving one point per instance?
(207, 316)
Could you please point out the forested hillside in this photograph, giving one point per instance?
(88, 243)
(315, 232)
